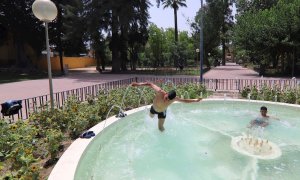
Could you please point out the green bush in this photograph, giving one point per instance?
(266, 93)
(21, 144)
(245, 92)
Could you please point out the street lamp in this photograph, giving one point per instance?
(46, 11)
(201, 43)
(197, 54)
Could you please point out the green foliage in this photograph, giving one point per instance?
(274, 93)
(17, 19)
(269, 35)
(245, 92)
(54, 138)
(191, 90)
(73, 27)
(20, 142)
(217, 20)
(253, 5)
(162, 51)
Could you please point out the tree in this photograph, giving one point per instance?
(58, 33)
(156, 41)
(270, 35)
(17, 18)
(217, 20)
(118, 17)
(227, 23)
(175, 4)
(212, 22)
(138, 32)
(253, 5)
(73, 27)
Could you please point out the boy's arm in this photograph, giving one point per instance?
(187, 100)
(153, 86)
(274, 118)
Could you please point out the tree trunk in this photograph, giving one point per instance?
(134, 59)
(205, 61)
(124, 47)
(175, 22)
(223, 45)
(102, 60)
(116, 63)
(21, 59)
(98, 61)
(59, 32)
(294, 62)
(274, 60)
(282, 63)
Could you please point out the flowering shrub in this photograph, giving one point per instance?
(20, 145)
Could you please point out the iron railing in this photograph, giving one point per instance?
(228, 84)
(33, 104)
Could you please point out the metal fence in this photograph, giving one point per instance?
(228, 84)
(35, 103)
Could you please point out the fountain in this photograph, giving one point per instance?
(169, 82)
(249, 96)
(123, 98)
(119, 115)
(142, 95)
(253, 144)
(185, 95)
(139, 151)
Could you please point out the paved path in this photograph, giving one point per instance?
(231, 71)
(88, 76)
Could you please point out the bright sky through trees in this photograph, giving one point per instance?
(165, 18)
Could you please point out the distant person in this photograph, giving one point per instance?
(161, 102)
(263, 120)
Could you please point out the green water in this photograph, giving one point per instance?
(195, 145)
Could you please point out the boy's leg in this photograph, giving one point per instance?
(161, 122)
(151, 115)
(151, 112)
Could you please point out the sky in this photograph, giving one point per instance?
(164, 17)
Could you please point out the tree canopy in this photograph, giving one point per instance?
(269, 35)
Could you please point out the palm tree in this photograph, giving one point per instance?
(175, 4)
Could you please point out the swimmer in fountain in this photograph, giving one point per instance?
(161, 102)
(263, 120)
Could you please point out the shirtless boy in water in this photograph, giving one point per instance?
(262, 121)
(161, 102)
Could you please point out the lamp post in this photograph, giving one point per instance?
(197, 54)
(46, 11)
(201, 43)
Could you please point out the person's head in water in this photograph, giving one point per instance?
(263, 111)
(171, 95)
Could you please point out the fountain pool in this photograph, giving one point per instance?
(197, 144)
